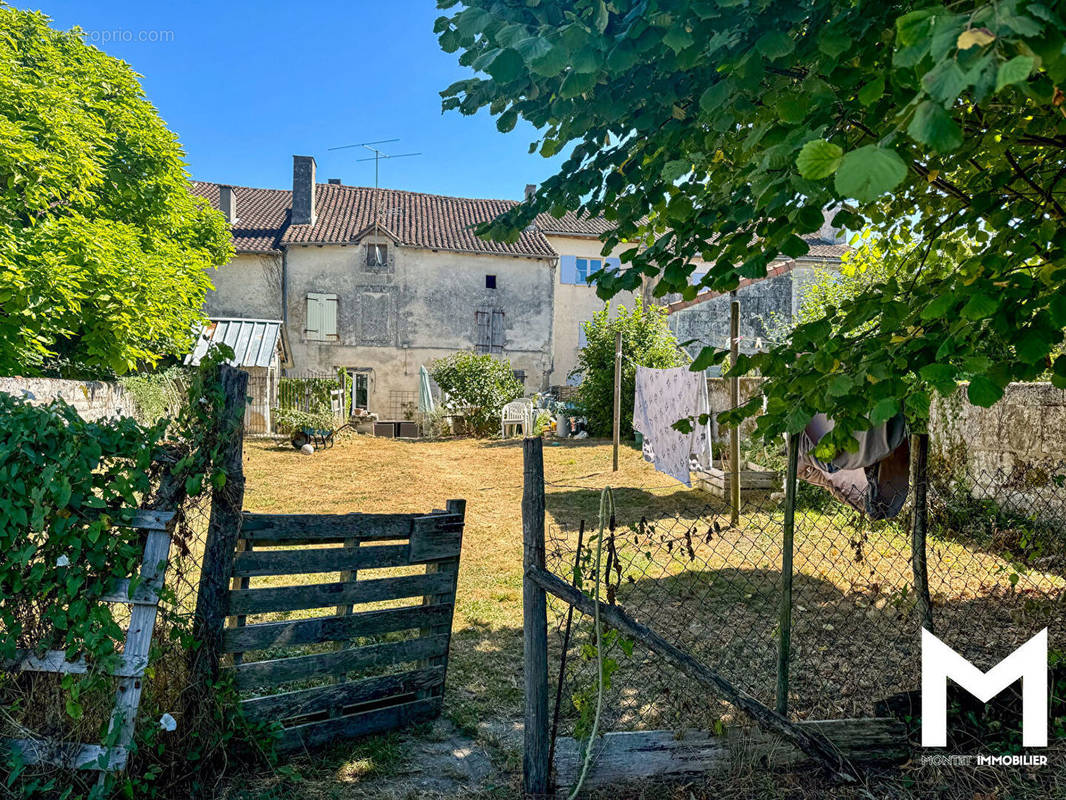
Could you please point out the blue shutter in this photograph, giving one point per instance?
(612, 264)
(567, 269)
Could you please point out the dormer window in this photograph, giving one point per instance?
(377, 255)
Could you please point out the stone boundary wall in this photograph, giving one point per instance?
(1025, 429)
(93, 400)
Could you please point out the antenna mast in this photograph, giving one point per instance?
(376, 158)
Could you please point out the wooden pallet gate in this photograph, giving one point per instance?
(361, 686)
(371, 649)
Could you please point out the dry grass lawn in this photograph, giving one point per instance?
(484, 690)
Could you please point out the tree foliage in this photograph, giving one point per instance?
(646, 341)
(477, 386)
(719, 130)
(103, 250)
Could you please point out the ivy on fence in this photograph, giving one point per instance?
(64, 483)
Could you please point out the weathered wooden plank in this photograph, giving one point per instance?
(223, 529)
(432, 540)
(329, 528)
(255, 563)
(535, 767)
(146, 592)
(623, 757)
(332, 629)
(314, 734)
(338, 662)
(340, 695)
(139, 640)
(129, 665)
(433, 549)
(146, 519)
(320, 595)
(70, 755)
(612, 615)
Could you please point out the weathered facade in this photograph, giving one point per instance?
(382, 282)
(575, 300)
(766, 305)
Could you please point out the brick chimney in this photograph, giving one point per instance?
(227, 203)
(303, 190)
(531, 189)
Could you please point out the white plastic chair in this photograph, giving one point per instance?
(516, 413)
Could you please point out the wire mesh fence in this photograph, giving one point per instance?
(996, 545)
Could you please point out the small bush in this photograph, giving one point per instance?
(646, 340)
(157, 394)
(478, 387)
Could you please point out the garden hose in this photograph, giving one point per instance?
(606, 498)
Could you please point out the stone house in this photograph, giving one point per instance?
(382, 282)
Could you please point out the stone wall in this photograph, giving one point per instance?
(718, 391)
(1027, 428)
(92, 399)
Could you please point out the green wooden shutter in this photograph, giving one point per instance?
(313, 327)
(329, 315)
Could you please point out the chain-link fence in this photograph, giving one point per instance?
(673, 561)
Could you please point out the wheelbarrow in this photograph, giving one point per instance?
(315, 436)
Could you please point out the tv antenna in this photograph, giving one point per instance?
(376, 158)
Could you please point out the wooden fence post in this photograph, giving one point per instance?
(734, 402)
(919, 522)
(535, 767)
(617, 395)
(784, 649)
(223, 528)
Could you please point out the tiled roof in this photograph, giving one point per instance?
(572, 224)
(429, 221)
(261, 215)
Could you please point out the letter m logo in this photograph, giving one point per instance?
(1028, 662)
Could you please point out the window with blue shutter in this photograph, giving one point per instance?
(567, 267)
(577, 270)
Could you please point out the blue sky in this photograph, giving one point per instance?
(245, 85)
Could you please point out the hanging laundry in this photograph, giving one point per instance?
(662, 397)
(873, 479)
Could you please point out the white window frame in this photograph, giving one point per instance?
(583, 267)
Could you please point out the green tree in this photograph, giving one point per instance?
(646, 342)
(477, 386)
(103, 249)
(719, 130)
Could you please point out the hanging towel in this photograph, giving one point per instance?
(662, 397)
(873, 479)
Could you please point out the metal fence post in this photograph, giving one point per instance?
(617, 396)
(535, 766)
(734, 402)
(919, 522)
(785, 621)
